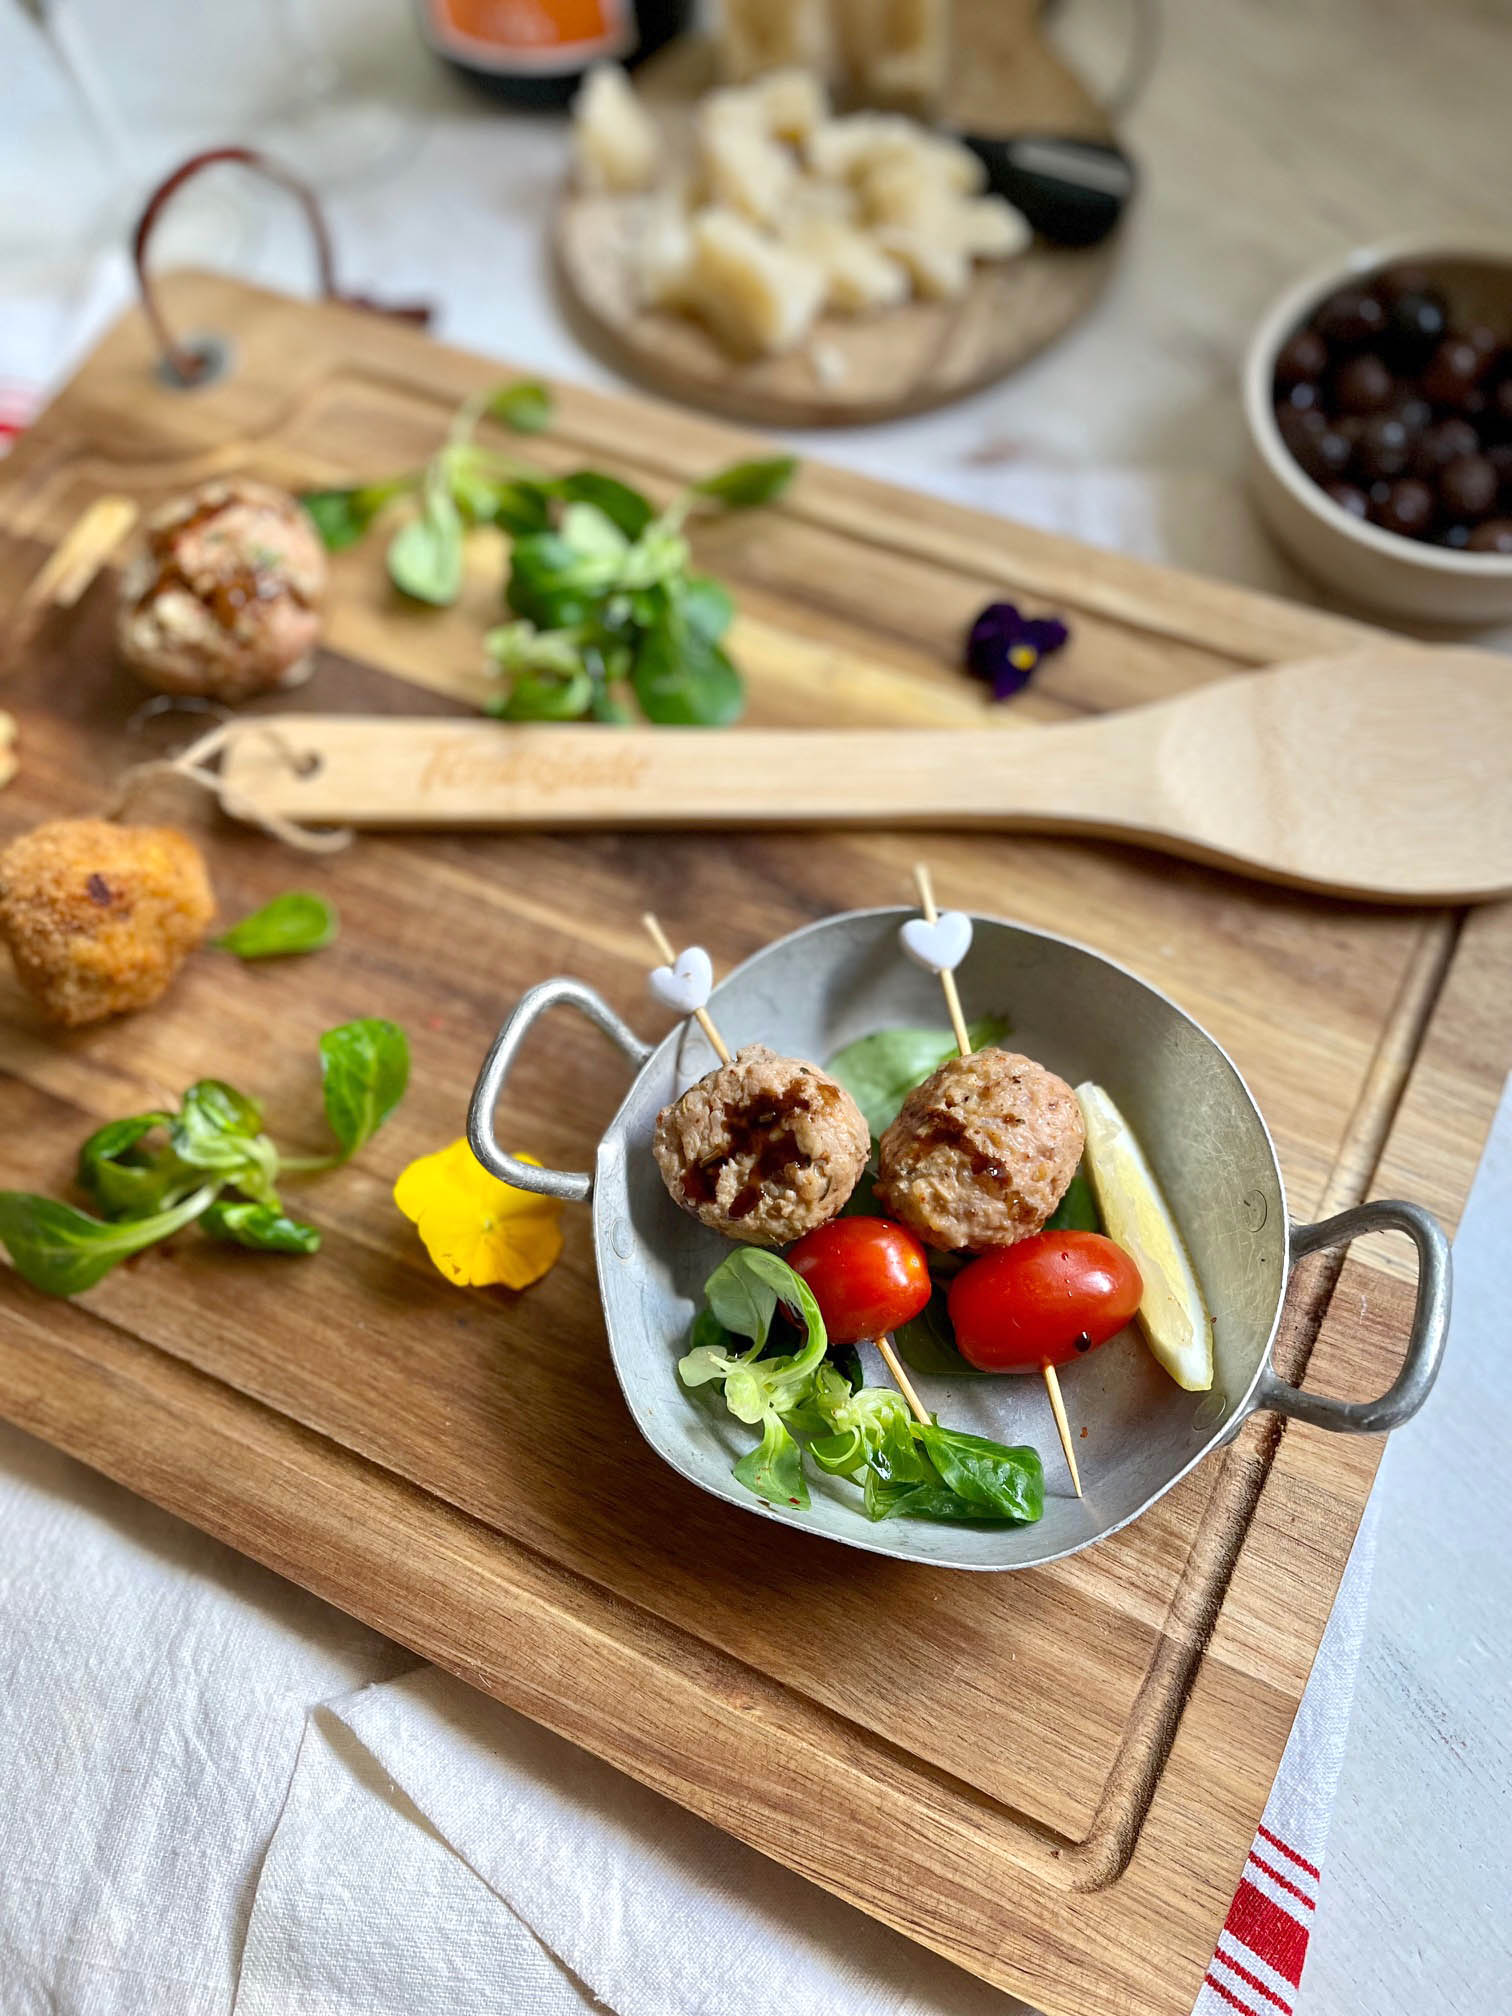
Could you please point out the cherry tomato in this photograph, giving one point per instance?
(1042, 1302)
(868, 1276)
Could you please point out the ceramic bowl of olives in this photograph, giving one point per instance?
(1378, 394)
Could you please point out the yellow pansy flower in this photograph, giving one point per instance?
(480, 1232)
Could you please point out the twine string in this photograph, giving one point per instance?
(193, 766)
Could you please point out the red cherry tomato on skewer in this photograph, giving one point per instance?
(868, 1276)
(1045, 1301)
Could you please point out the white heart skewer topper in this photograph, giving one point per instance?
(940, 945)
(686, 984)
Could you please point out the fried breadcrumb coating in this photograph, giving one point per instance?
(99, 917)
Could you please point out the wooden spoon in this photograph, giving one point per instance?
(1384, 773)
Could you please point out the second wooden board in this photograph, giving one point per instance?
(868, 368)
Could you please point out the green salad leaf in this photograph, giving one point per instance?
(341, 517)
(682, 678)
(1077, 1211)
(879, 1071)
(745, 485)
(153, 1173)
(124, 1175)
(63, 1251)
(774, 1469)
(1001, 1483)
(364, 1069)
(263, 1227)
(296, 921)
(626, 508)
(810, 1405)
(425, 554)
(525, 406)
(927, 1341)
(601, 577)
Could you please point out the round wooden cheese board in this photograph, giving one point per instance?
(852, 369)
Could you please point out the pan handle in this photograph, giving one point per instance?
(574, 1186)
(1425, 1340)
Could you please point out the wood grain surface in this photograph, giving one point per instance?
(1006, 80)
(1382, 773)
(1050, 1777)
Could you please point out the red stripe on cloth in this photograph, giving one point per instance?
(1227, 1994)
(1252, 1980)
(1290, 1853)
(1260, 1923)
(1284, 1881)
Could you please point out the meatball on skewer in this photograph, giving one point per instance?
(982, 1152)
(763, 1149)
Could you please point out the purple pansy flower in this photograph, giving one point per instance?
(1004, 646)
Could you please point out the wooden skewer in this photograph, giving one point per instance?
(904, 1384)
(884, 1345)
(68, 570)
(702, 1016)
(947, 979)
(958, 1023)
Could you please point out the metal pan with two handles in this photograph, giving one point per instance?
(1084, 1017)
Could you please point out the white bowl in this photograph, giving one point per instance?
(1379, 570)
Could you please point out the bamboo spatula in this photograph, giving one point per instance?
(1384, 773)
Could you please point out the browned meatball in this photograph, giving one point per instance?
(222, 595)
(982, 1152)
(100, 917)
(763, 1149)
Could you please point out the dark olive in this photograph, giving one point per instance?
(1442, 444)
(1363, 385)
(1385, 446)
(1480, 336)
(1454, 368)
(1399, 280)
(1407, 509)
(1304, 355)
(1298, 429)
(1494, 536)
(1414, 412)
(1351, 317)
(1468, 486)
(1415, 326)
(1349, 498)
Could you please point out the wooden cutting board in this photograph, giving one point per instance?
(1052, 1778)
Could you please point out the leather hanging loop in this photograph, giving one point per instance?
(187, 365)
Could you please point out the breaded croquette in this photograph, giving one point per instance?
(99, 917)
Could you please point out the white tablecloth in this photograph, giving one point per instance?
(215, 1791)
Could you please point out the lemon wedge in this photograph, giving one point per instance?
(1172, 1314)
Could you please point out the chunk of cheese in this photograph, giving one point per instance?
(758, 296)
(895, 52)
(793, 103)
(615, 142)
(741, 167)
(992, 229)
(859, 276)
(754, 36)
(937, 262)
